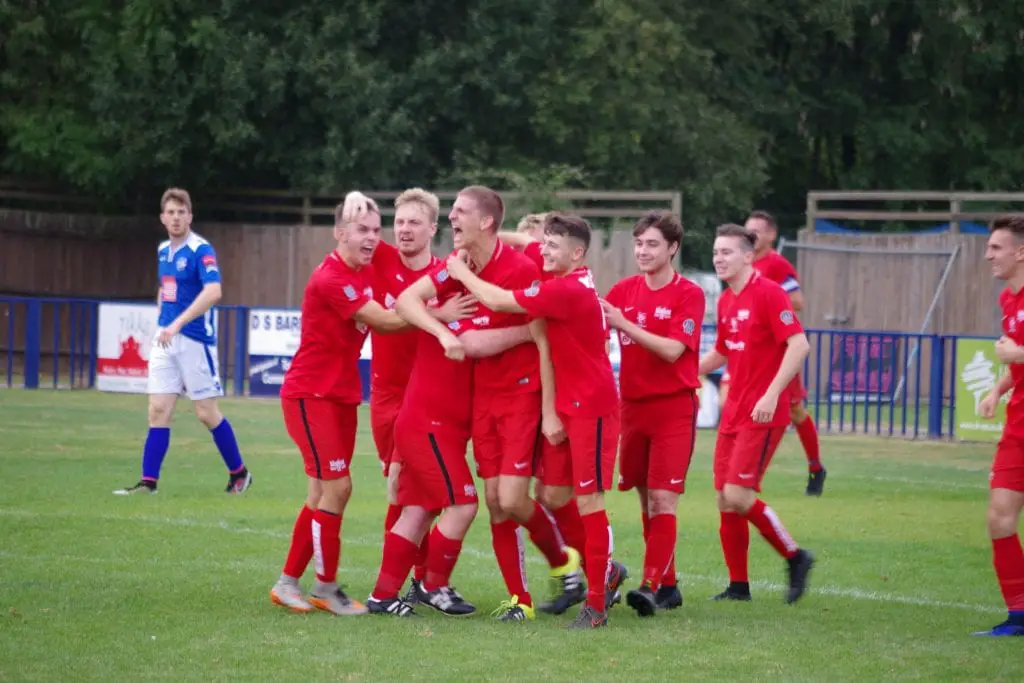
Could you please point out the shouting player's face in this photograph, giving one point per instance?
(176, 218)
(764, 233)
(1004, 253)
(413, 228)
(468, 223)
(652, 251)
(730, 257)
(359, 239)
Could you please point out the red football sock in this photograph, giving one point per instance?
(598, 558)
(394, 512)
(420, 566)
(1008, 558)
(399, 554)
(441, 558)
(808, 434)
(768, 523)
(326, 545)
(544, 535)
(511, 555)
(735, 535)
(661, 545)
(570, 525)
(645, 519)
(301, 550)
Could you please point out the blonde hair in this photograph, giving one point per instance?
(176, 194)
(355, 206)
(531, 221)
(418, 195)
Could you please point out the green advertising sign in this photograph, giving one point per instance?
(977, 370)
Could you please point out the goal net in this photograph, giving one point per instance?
(868, 307)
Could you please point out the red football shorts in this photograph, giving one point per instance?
(384, 407)
(325, 432)
(742, 458)
(506, 435)
(1008, 465)
(435, 474)
(658, 435)
(797, 392)
(586, 459)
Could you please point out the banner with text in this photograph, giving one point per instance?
(125, 337)
(273, 340)
(977, 370)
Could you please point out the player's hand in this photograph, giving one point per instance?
(457, 267)
(458, 307)
(1007, 350)
(552, 428)
(453, 348)
(166, 334)
(612, 315)
(987, 407)
(764, 409)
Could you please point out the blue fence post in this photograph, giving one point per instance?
(94, 341)
(241, 347)
(936, 384)
(33, 339)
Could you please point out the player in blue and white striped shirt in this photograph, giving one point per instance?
(184, 354)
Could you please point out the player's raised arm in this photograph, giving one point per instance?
(412, 307)
(491, 342)
(665, 348)
(519, 240)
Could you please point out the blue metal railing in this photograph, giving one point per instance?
(862, 382)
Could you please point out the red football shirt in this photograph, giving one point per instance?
(674, 311)
(326, 364)
(753, 327)
(1013, 327)
(393, 354)
(516, 370)
(532, 252)
(439, 396)
(778, 269)
(585, 385)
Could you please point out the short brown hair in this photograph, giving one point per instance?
(766, 217)
(488, 202)
(176, 194)
(733, 230)
(1015, 224)
(665, 222)
(568, 225)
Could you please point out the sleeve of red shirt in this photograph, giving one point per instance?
(548, 299)
(722, 329)
(532, 250)
(687, 316)
(443, 281)
(787, 276)
(614, 296)
(344, 295)
(779, 314)
(522, 277)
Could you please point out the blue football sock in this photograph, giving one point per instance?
(157, 442)
(224, 437)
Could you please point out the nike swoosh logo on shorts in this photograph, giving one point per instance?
(588, 482)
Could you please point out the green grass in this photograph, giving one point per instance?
(95, 587)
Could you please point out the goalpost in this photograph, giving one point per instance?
(854, 288)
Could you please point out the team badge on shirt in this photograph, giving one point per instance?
(689, 326)
(181, 263)
(786, 317)
(350, 292)
(532, 290)
(442, 275)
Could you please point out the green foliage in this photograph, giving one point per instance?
(735, 104)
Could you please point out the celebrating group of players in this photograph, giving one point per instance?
(505, 343)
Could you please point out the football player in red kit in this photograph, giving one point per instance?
(778, 269)
(764, 344)
(658, 314)
(586, 397)
(1005, 252)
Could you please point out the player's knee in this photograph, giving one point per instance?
(1000, 522)
(208, 412)
(797, 413)
(737, 499)
(590, 503)
(662, 503)
(513, 498)
(555, 497)
(160, 412)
